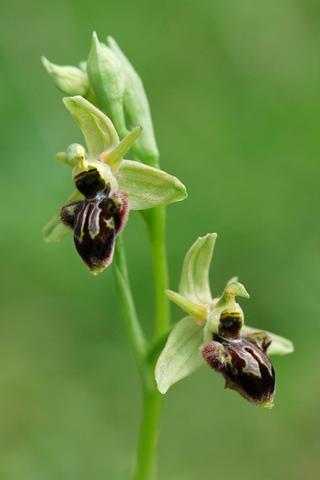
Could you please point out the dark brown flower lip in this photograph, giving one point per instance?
(241, 360)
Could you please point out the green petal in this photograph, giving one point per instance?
(198, 312)
(56, 229)
(115, 156)
(148, 187)
(194, 283)
(96, 127)
(181, 355)
(279, 345)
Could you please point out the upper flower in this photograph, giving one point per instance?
(107, 186)
(214, 333)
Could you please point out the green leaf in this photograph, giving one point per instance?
(279, 345)
(148, 187)
(194, 283)
(181, 355)
(56, 229)
(198, 312)
(136, 106)
(96, 127)
(70, 80)
(107, 78)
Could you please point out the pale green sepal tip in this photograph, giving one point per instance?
(198, 312)
(148, 187)
(56, 229)
(181, 354)
(96, 270)
(70, 80)
(115, 156)
(96, 127)
(279, 345)
(194, 282)
(267, 405)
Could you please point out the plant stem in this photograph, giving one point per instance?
(132, 325)
(155, 219)
(145, 467)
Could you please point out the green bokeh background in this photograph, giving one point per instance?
(234, 88)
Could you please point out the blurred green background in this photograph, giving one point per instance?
(234, 88)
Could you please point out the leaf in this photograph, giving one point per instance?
(148, 187)
(279, 346)
(181, 356)
(96, 127)
(194, 283)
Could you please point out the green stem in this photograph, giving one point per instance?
(132, 325)
(155, 219)
(145, 467)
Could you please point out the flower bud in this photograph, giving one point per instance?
(70, 80)
(107, 79)
(137, 108)
(242, 360)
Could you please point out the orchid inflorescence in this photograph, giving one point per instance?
(106, 98)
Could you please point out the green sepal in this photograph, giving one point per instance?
(198, 312)
(194, 283)
(148, 187)
(70, 80)
(158, 344)
(181, 355)
(96, 127)
(279, 345)
(107, 78)
(56, 229)
(136, 106)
